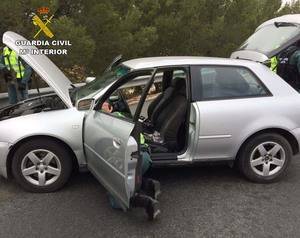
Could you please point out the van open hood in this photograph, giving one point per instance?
(43, 66)
(270, 39)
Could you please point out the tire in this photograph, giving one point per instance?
(41, 165)
(265, 158)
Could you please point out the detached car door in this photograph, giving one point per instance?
(111, 141)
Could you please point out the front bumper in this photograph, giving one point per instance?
(4, 150)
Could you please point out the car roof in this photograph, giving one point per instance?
(290, 18)
(153, 62)
(272, 81)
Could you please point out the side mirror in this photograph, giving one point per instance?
(85, 104)
(89, 79)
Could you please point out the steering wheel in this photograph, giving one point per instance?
(117, 103)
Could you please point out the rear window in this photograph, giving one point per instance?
(221, 82)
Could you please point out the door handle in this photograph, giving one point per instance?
(117, 143)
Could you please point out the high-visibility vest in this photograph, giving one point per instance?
(12, 62)
(274, 62)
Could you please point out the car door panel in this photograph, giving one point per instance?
(111, 139)
(229, 101)
(106, 140)
(225, 124)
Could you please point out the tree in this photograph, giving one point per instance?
(100, 30)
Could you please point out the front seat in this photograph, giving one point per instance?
(172, 117)
(162, 101)
(166, 83)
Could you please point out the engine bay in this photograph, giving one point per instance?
(31, 106)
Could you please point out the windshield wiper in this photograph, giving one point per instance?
(73, 86)
(284, 24)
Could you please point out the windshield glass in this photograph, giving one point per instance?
(100, 82)
(270, 38)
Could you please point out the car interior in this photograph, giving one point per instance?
(166, 126)
(164, 114)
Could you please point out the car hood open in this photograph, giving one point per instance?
(42, 65)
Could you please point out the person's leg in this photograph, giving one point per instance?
(151, 187)
(23, 93)
(150, 205)
(146, 164)
(12, 93)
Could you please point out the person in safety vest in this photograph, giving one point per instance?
(287, 65)
(150, 186)
(274, 62)
(294, 65)
(16, 73)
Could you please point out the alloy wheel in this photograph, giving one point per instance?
(267, 158)
(41, 167)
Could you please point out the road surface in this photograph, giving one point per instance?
(206, 201)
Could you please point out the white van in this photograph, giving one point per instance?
(270, 39)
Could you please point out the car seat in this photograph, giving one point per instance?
(172, 116)
(165, 98)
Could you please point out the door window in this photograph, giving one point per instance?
(124, 100)
(221, 82)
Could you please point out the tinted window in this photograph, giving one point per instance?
(229, 82)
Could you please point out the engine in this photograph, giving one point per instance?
(30, 106)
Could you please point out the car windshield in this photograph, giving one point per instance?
(100, 82)
(271, 37)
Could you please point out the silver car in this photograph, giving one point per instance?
(184, 110)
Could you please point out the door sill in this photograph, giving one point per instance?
(176, 162)
(155, 157)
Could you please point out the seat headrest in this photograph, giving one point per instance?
(178, 84)
(176, 80)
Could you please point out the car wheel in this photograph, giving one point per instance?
(41, 166)
(265, 158)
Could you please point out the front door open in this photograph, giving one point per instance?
(111, 136)
(109, 147)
